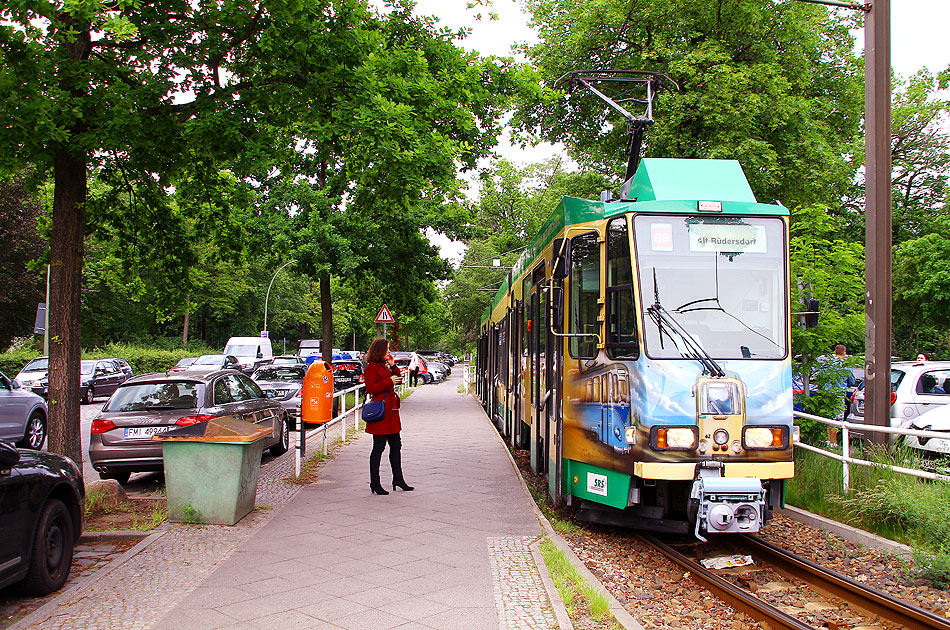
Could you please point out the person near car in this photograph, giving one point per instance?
(844, 382)
(921, 356)
(381, 377)
(414, 370)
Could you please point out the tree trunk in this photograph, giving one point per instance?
(184, 333)
(66, 254)
(66, 251)
(326, 316)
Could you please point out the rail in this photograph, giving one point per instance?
(845, 456)
(340, 419)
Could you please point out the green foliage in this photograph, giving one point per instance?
(831, 269)
(921, 276)
(570, 585)
(776, 86)
(21, 278)
(512, 205)
(142, 359)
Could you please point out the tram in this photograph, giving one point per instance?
(639, 348)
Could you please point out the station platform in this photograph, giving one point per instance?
(454, 553)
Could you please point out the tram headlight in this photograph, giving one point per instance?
(630, 435)
(720, 437)
(765, 438)
(674, 438)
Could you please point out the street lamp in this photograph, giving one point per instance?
(267, 298)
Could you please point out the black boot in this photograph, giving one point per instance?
(378, 489)
(402, 485)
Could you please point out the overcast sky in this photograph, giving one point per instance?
(919, 39)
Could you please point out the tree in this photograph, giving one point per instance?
(920, 152)
(922, 292)
(512, 205)
(774, 85)
(829, 268)
(164, 94)
(20, 286)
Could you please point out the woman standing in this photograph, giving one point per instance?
(381, 378)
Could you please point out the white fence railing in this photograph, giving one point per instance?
(846, 459)
(302, 434)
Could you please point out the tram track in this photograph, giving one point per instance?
(863, 600)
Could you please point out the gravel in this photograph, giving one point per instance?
(661, 596)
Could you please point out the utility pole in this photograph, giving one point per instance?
(877, 122)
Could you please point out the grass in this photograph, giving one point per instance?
(579, 598)
(900, 507)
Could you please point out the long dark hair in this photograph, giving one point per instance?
(377, 350)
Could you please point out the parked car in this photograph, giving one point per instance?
(937, 419)
(346, 373)
(123, 365)
(282, 383)
(208, 362)
(34, 376)
(439, 371)
(251, 352)
(120, 436)
(183, 364)
(916, 388)
(286, 359)
(404, 358)
(41, 499)
(22, 415)
(98, 377)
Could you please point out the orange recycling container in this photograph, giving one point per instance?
(316, 405)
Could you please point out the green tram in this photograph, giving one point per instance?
(639, 349)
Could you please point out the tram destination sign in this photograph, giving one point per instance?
(705, 237)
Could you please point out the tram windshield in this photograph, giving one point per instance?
(722, 279)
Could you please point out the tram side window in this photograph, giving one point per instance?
(585, 291)
(621, 318)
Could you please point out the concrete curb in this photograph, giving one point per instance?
(117, 535)
(50, 608)
(847, 532)
(620, 613)
(560, 612)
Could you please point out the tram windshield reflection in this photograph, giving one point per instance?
(722, 278)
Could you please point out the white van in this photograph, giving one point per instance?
(308, 347)
(250, 351)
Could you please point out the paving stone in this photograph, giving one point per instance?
(332, 555)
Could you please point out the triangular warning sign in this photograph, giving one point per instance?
(384, 316)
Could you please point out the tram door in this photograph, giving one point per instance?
(515, 368)
(537, 338)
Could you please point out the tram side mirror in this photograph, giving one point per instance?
(561, 258)
(811, 316)
(557, 299)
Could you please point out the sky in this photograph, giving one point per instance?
(918, 40)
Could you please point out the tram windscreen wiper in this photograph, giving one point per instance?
(665, 323)
(715, 305)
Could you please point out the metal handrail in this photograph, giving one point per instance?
(339, 419)
(846, 459)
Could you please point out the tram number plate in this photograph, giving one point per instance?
(597, 484)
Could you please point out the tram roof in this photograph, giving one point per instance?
(662, 185)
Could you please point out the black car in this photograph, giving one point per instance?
(346, 374)
(99, 377)
(123, 365)
(41, 498)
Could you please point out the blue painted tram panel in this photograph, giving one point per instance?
(640, 351)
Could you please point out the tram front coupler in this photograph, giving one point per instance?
(725, 505)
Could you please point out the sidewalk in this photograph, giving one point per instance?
(452, 554)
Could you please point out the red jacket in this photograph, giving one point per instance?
(380, 386)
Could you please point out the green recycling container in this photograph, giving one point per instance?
(211, 470)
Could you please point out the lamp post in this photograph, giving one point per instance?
(267, 297)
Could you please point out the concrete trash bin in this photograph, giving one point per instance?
(211, 470)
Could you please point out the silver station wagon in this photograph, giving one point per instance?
(120, 436)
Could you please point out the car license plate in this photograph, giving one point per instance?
(144, 432)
